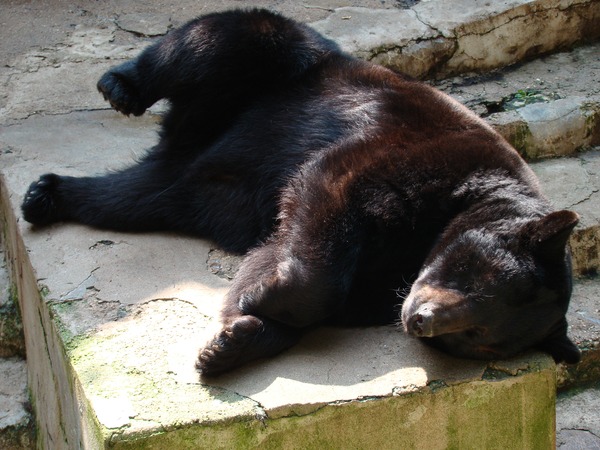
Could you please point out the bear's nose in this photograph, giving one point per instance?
(420, 323)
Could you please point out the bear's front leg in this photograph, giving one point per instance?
(43, 203)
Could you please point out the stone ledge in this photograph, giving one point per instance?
(554, 129)
(441, 38)
(123, 377)
(113, 322)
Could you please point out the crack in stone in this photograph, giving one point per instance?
(168, 299)
(585, 199)
(581, 429)
(594, 191)
(79, 292)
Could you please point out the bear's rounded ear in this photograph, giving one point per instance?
(548, 236)
(561, 349)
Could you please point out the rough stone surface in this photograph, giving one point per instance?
(579, 428)
(145, 24)
(546, 107)
(443, 38)
(16, 424)
(495, 34)
(394, 38)
(564, 74)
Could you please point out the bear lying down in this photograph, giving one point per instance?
(345, 182)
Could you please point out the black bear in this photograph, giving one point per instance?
(345, 182)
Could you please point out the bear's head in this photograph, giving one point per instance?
(488, 293)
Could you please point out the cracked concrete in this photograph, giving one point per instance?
(578, 429)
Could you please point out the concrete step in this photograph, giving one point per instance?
(114, 321)
(439, 38)
(577, 419)
(93, 301)
(546, 108)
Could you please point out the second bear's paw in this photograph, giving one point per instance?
(229, 347)
(41, 205)
(118, 88)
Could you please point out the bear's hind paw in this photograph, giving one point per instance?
(230, 347)
(120, 92)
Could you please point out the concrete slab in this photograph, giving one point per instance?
(574, 183)
(114, 322)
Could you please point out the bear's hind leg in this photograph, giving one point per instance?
(244, 339)
(221, 59)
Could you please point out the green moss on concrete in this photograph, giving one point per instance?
(11, 328)
(133, 393)
(515, 412)
(521, 139)
(44, 291)
(585, 372)
(591, 112)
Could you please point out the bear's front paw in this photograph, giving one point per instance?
(41, 203)
(229, 347)
(118, 88)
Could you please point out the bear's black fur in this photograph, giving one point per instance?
(345, 180)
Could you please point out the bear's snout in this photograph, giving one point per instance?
(430, 311)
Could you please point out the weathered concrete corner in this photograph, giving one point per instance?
(394, 38)
(559, 128)
(524, 29)
(453, 416)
